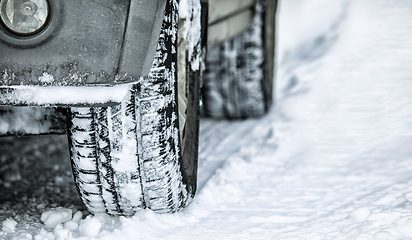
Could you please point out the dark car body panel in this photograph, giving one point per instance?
(90, 44)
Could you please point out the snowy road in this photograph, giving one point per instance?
(333, 160)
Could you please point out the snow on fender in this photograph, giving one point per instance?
(56, 216)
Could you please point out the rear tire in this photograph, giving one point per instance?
(130, 156)
(239, 72)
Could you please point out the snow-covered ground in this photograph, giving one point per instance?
(332, 160)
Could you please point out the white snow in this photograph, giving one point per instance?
(90, 227)
(23, 236)
(71, 225)
(332, 161)
(56, 216)
(8, 225)
(65, 95)
(77, 217)
(44, 235)
(62, 233)
(360, 214)
(46, 78)
(190, 10)
(17, 120)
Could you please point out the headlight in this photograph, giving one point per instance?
(24, 17)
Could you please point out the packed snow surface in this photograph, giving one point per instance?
(333, 159)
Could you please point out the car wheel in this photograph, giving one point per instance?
(143, 152)
(239, 72)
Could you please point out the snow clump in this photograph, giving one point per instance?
(8, 225)
(56, 216)
(90, 227)
(46, 78)
(62, 233)
(74, 223)
(44, 235)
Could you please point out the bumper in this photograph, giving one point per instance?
(84, 43)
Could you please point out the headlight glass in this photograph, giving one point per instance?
(24, 17)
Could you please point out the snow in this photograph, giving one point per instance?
(64, 95)
(360, 214)
(8, 225)
(61, 233)
(44, 235)
(53, 217)
(16, 120)
(90, 227)
(190, 11)
(331, 161)
(77, 217)
(71, 225)
(46, 78)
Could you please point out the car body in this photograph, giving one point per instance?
(83, 43)
(94, 44)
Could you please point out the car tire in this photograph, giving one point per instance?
(137, 155)
(239, 72)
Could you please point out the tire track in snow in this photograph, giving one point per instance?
(221, 139)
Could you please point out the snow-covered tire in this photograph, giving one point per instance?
(239, 72)
(130, 156)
